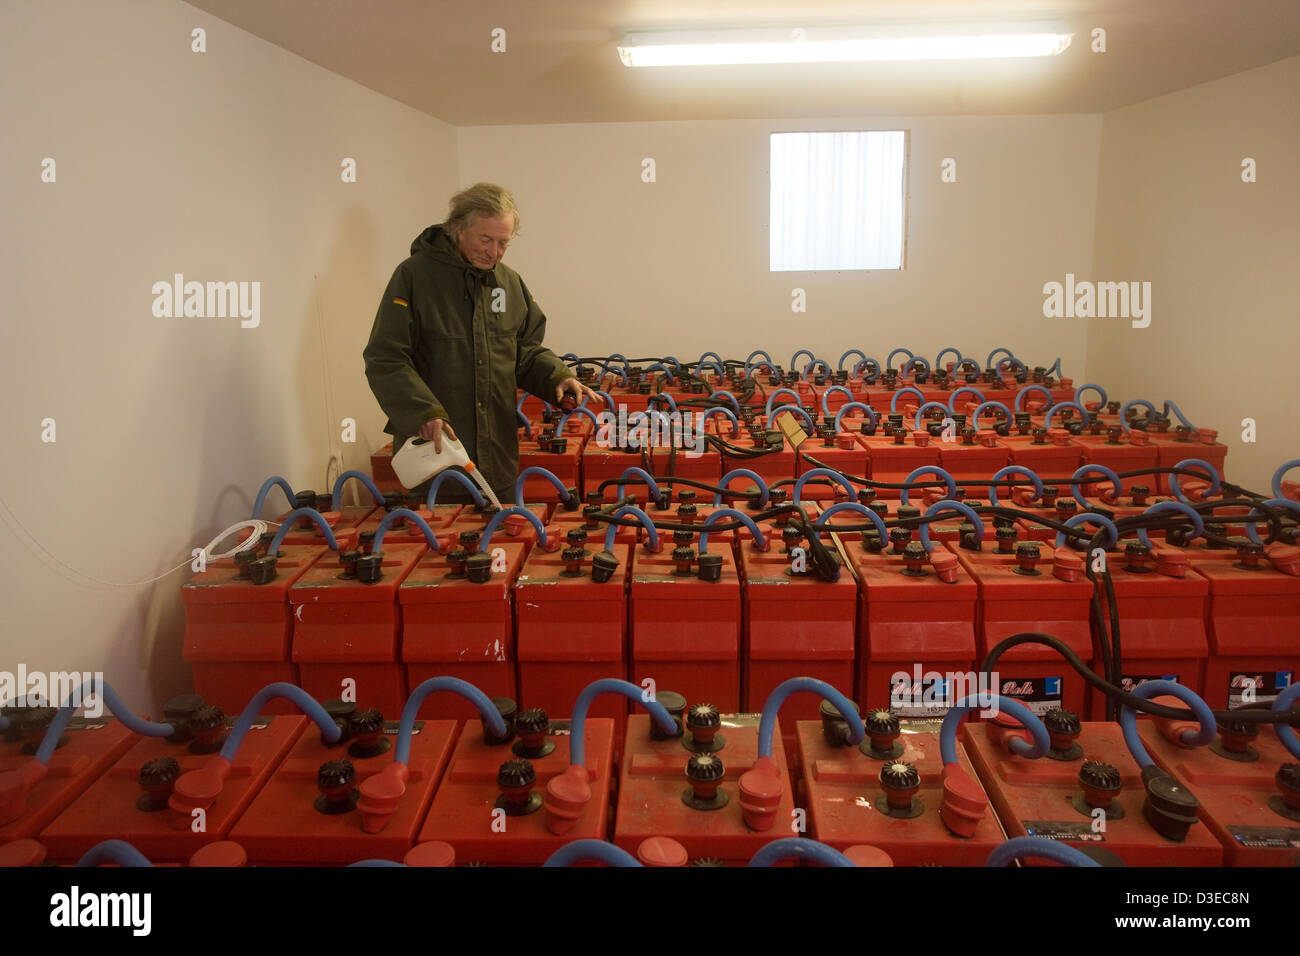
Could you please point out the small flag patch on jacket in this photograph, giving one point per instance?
(401, 302)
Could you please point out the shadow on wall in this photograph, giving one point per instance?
(246, 438)
(237, 436)
(330, 375)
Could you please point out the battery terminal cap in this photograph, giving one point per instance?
(1285, 558)
(945, 565)
(431, 853)
(761, 789)
(661, 851)
(964, 803)
(567, 796)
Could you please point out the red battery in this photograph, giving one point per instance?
(601, 464)
(841, 452)
(1254, 625)
(1246, 784)
(696, 788)
(778, 464)
(891, 460)
(496, 801)
(698, 465)
(338, 516)
(311, 810)
(132, 800)
(1088, 791)
(693, 507)
(974, 457)
(237, 632)
(565, 521)
(559, 455)
(347, 630)
(1162, 610)
(848, 804)
(571, 626)
(381, 467)
(88, 746)
(685, 620)
(1171, 448)
(402, 531)
(1054, 504)
(513, 527)
(633, 400)
(1049, 454)
(1121, 452)
(547, 475)
(458, 619)
(1033, 587)
(916, 625)
(795, 624)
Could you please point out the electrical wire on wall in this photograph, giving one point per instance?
(335, 463)
(258, 527)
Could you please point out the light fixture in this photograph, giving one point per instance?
(845, 44)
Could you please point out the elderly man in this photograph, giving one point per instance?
(456, 332)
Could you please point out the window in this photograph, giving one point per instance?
(837, 200)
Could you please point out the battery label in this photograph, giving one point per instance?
(1039, 694)
(1131, 682)
(929, 697)
(1271, 838)
(1255, 688)
(1063, 830)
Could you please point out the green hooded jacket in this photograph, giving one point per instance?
(453, 341)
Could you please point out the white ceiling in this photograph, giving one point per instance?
(561, 64)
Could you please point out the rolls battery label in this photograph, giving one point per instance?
(1039, 694)
(1270, 838)
(1256, 688)
(1063, 830)
(1131, 682)
(931, 696)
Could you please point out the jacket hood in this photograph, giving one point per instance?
(436, 241)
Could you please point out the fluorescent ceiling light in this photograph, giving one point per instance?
(843, 45)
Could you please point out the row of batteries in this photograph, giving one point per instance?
(974, 635)
(684, 785)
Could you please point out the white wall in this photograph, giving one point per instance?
(223, 165)
(1173, 210)
(681, 265)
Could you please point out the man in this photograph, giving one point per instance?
(456, 332)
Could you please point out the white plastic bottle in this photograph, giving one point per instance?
(416, 462)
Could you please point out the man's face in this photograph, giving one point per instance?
(483, 242)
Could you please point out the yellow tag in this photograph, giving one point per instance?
(791, 429)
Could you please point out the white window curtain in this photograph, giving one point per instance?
(837, 201)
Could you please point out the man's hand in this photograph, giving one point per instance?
(434, 430)
(575, 391)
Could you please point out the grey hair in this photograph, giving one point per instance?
(487, 199)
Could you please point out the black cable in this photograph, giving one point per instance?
(1122, 696)
(823, 560)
